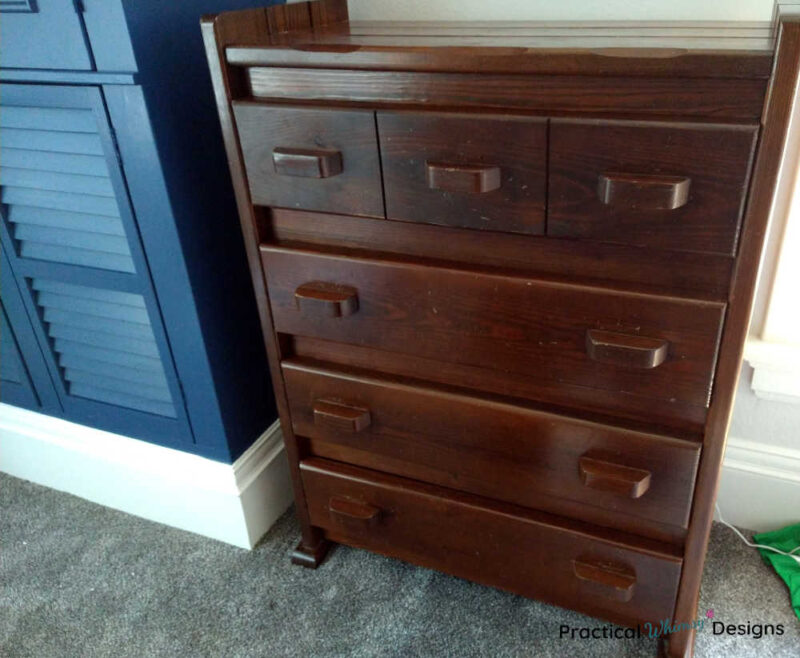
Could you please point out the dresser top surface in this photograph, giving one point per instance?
(691, 49)
(576, 35)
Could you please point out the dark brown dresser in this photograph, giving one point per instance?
(505, 275)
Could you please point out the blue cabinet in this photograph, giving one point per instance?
(73, 246)
(24, 378)
(43, 34)
(126, 303)
(14, 378)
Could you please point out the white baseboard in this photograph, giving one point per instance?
(776, 370)
(234, 503)
(760, 485)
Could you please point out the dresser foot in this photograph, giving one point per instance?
(312, 557)
(679, 645)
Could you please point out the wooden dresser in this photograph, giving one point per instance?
(505, 275)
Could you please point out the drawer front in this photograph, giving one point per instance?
(623, 479)
(669, 186)
(559, 336)
(470, 172)
(531, 554)
(311, 159)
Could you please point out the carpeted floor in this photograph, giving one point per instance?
(81, 580)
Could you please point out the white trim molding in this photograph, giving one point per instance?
(234, 503)
(760, 485)
(776, 369)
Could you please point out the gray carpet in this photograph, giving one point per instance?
(78, 579)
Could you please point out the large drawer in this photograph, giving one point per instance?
(471, 171)
(547, 339)
(672, 186)
(632, 481)
(604, 574)
(311, 159)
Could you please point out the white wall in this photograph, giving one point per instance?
(764, 421)
(533, 10)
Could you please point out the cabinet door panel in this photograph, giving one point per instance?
(15, 384)
(74, 250)
(56, 184)
(24, 378)
(43, 34)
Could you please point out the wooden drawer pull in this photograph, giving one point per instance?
(339, 416)
(328, 299)
(618, 580)
(307, 163)
(643, 191)
(625, 349)
(470, 179)
(597, 473)
(349, 510)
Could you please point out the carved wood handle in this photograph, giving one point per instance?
(340, 417)
(598, 473)
(617, 580)
(349, 511)
(643, 191)
(625, 349)
(470, 179)
(307, 163)
(328, 299)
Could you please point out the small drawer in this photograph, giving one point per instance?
(548, 341)
(670, 186)
(311, 159)
(632, 481)
(466, 171)
(605, 574)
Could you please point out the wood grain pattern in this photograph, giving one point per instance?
(307, 163)
(607, 474)
(615, 580)
(336, 415)
(643, 191)
(289, 18)
(518, 550)
(670, 416)
(664, 272)
(356, 189)
(497, 449)
(715, 159)
(462, 178)
(327, 13)
(777, 115)
(721, 99)
(513, 148)
(218, 32)
(625, 349)
(515, 325)
(496, 55)
(642, 241)
(326, 300)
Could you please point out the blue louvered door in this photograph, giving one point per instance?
(24, 378)
(15, 382)
(43, 34)
(77, 260)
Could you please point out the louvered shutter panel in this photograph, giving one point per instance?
(104, 345)
(43, 34)
(11, 368)
(56, 188)
(75, 251)
(15, 384)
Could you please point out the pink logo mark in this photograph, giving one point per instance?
(710, 613)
